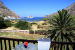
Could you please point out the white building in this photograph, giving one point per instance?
(7, 17)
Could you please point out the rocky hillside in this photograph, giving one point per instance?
(70, 9)
(7, 12)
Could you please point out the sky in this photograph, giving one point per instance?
(36, 8)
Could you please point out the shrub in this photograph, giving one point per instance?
(8, 24)
(2, 24)
(33, 23)
(23, 25)
(41, 32)
(44, 23)
(7, 20)
(39, 26)
(31, 32)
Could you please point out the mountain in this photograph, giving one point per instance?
(7, 12)
(70, 9)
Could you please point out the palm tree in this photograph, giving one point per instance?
(62, 27)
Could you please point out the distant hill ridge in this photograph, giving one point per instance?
(7, 12)
(70, 9)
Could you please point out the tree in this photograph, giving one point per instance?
(62, 27)
(2, 24)
(8, 23)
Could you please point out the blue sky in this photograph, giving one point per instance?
(36, 8)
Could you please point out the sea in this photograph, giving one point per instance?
(32, 19)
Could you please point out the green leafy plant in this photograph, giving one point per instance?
(8, 24)
(31, 32)
(44, 23)
(7, 20)
(23, 25)
(2, 24)
(41, 32)
(33, 23)
(62, 27)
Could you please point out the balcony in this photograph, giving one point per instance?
(10, 43)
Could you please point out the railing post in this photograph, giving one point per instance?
(9, 45)
(23, 41)
(61, 47)
(54, 46)
(5, 45)
(13, 43)
(34, 43)
(18, 42)
(67, 47)
(1, 44)
(73, 47)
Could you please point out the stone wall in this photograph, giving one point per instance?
(19, 31)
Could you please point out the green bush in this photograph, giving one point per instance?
(39, 26)
(23, 25)
(41, 32)
(44, 23)
(8, 24)
(13, 22)
(31, 32)
(33, 23)
(7, 20)
(2, 24)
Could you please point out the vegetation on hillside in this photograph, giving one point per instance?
(62, 27)
(2, 24)
(8, 23)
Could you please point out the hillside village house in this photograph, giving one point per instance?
(9, 17)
